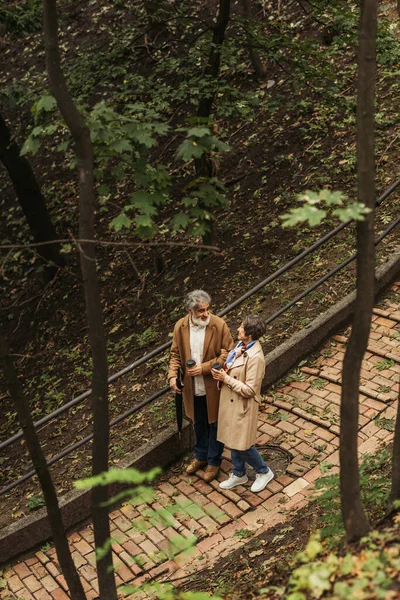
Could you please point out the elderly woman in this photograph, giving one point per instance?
(241, 380)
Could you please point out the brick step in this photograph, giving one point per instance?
(299, 412)
(385, 314)
(373, 348)
(381, 396)
(379, 352)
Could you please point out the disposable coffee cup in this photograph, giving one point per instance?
(217, 366)
(190, 363)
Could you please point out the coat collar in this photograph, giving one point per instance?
(247, 354)
(253, 350)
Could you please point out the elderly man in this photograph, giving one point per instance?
(206, 339)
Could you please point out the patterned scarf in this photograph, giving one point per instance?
(237, 351)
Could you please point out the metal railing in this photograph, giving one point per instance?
(165, 346)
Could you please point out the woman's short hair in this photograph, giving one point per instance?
(254, 325)
(193, 299)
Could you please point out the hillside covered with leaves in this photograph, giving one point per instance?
(138, 75)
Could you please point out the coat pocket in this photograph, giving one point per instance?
(245, 405)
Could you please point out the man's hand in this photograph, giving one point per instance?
(173, 386)
(194, 371)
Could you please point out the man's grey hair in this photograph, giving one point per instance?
(193, 299)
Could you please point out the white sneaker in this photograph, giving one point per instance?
(261, 481)
(233, 481)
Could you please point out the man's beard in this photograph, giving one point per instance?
(199, 322)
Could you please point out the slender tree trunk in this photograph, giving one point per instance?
(204, 165)
(395, 490)
(156, 12)
(39, 462)
(31, 200)
(354, 518)
(214, 59)
(83, 146)
(258, 66)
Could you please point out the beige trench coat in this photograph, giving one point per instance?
(239, 400)
(217, 342)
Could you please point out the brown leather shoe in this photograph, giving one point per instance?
(195, 465)
(210, 473)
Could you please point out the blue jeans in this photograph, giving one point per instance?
(250, 456)
(206, 446)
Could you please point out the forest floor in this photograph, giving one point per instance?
(246, 545)
(290, 139)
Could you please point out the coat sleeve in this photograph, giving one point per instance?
(255, 370)
(174, 357)
(226, 344)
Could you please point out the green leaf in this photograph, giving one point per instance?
(188, 149)
(144, 226)
(320, 578)
(308, 213)
(103, 190)
(216, 144)
(46, 103)
(332, 198)
(132, 476)
(198, 132)
(121, 221)
(32, 145)
(63, 146)
(180, 221)
(355, 210)
(143, 201)
(121, 146)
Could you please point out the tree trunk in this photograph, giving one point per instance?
(354, 518)
(258, 66)
(204, 165)
(156, 13)
(39, 462)
(83, 146)
(31, 200)
(395, 490)
(214, 59)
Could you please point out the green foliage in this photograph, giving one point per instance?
(243, 533)
(125, 476)
(313, 215)
(387, 424)
(203, 196)
(22, 17)
(146, 338)
(357, 576)
(35, 502)
(199, 141)
(121, 144)
(382, 365)
(374, 492)
(318, 384)
(312, 576)
(295, 375)
(143, 496)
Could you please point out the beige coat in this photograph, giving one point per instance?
(239, 400)
(217, 342)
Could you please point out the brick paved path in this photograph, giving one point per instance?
(301, 416)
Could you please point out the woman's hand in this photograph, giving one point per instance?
(218, 374)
